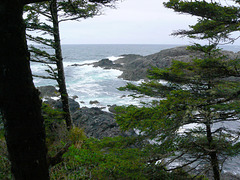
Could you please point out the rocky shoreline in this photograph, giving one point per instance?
(134, 67)
(95, 122)
(98, 123)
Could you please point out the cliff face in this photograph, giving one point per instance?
(135, 67)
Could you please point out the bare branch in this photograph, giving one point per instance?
(44, 77)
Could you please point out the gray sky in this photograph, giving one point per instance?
(133, 22)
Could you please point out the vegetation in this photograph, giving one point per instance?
(23, 123)
(44, 18)
(198, 100)
(19, 100)
(90, 158)
(187, 122)
(194, 115)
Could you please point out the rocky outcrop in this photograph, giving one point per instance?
(95, 122)
(107, 64)
(135, 67)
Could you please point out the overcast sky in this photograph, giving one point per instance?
(133, 22)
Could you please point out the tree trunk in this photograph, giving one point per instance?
(213, 154)
(19, 100)
(61, 77)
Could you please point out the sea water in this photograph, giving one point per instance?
(90, 83)
(97, 84)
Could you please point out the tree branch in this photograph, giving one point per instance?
(44, 77)
(58, 157)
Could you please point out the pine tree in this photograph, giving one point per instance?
(54, 13)
(19, 100)
(199, 101)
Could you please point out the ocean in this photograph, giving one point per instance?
(90, 83)
(94, 83)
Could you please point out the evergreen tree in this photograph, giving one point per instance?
(201, 105)
(215, 21)
(19, 100)
(197, 95)
(54, 13)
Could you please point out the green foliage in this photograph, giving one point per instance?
(194, 93)
(110, 158)
(76, 135)
(215, 21)
(53, 119)
(196, 99)
(55, 131)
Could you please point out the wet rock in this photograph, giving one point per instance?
(93, 102)
(48, 91)
(107, 64)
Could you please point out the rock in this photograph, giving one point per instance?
(93, 102)
(94, 121)
(126, 58)
(75, 97)
(48, 91)
(73, 105)
(107, 64)
(97, 123)
(135, 67)
(112, 108)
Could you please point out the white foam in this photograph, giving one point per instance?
(114, 58)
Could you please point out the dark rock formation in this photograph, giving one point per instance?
(74, 106)
(94, 121)
(93, 102)
(135, 67)
(97, 123)
(48, 91)
(107, 64)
